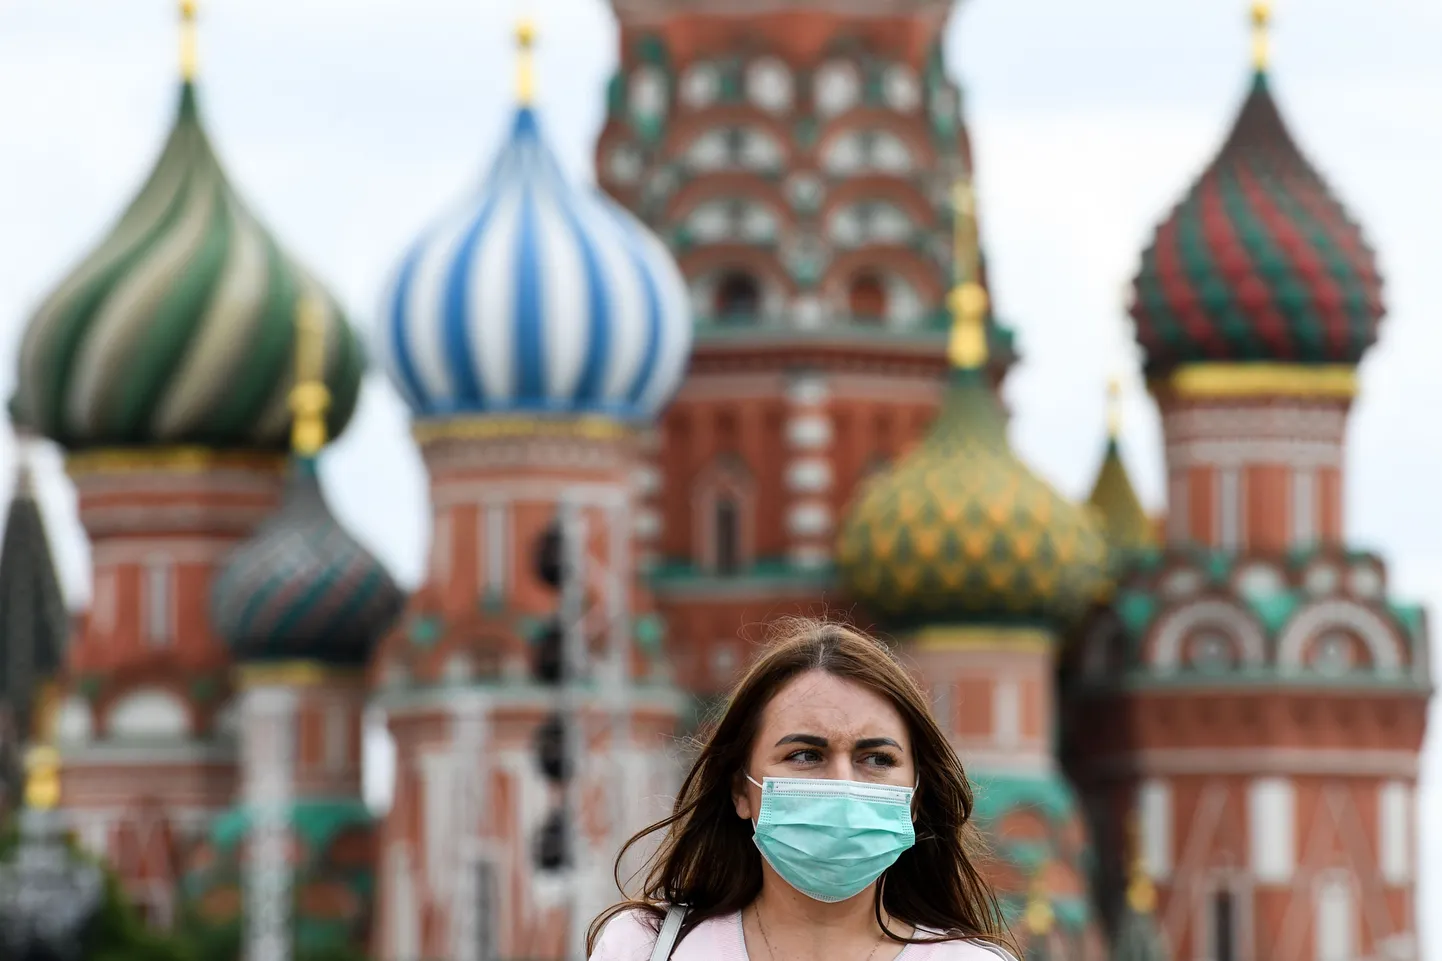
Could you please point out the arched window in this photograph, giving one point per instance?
(728, 536)
(738, 298)
(725, 517)
(867, 299)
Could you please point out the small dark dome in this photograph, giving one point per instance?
(303, 588)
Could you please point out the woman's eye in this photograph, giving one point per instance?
(881, 760)
(804, 757)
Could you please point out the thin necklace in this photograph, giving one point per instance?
(771, 952)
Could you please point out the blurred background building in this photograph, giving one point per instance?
(757, 373)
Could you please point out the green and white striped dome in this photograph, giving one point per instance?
(179, 327)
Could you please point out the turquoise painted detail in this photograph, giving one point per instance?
(998, 794)
(425, 631)
(316, 822)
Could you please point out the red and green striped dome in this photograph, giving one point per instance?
(1259, 262)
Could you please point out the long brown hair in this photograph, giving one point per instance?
(706, 859)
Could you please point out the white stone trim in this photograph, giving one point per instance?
(1179, 508)
(1290, 761)
(648, 524)
(1295, 454)
(1155, 814)
(809, 556)
(402, 906)
(467, 491)
(114, 551)
(808, 390)
(495, 521)
(809, 518)
(809, 431)
(809, 475)
(1178, 624)
(1272, 829)
(1313, 620)
(179, 753)
(1337, 918)
(1229, 513)
(442, 546)
(647, 479)
(1396, 834)
(1304, 489)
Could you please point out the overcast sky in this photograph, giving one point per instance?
(349, 123)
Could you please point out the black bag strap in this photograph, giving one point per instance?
(670, 929)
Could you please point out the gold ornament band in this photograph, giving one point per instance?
(1329, 382)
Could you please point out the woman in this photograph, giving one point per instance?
(826, 819)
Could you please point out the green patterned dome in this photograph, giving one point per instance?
(178, 327)
(960, 530)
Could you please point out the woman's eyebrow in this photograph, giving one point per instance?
(869, 742)
(811, 740)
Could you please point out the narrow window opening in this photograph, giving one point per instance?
(1224, 927)
(738, 298)
(159, 617)
(728, 536)
(867, 299)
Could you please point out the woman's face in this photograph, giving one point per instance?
(823, 726)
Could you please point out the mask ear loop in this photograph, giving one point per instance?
(756, 820)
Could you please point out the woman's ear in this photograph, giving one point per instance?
(741, 797)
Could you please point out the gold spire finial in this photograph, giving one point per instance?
(42, 779)
(309, 399)
(968, 300)
(1114, 407)
(188, 55)
(1261, 28)
(526, 62)
(1141, 893)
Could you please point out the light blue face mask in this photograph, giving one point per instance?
(831, 839)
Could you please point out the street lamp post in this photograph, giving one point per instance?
(48, 896)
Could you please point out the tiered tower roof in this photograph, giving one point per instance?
(33, 620)
(1125, 521)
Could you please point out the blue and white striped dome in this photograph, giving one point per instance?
(537, 298)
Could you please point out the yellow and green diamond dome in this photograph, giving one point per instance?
(960, 530)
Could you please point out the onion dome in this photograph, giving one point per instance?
(536, 297)
(302, 588)
(176, 328)
(1259, 262)
(1124, 521)
(960, 529)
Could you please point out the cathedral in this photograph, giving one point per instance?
(756, 373)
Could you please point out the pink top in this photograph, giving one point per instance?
(630, 937)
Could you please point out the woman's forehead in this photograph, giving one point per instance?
(821, 703)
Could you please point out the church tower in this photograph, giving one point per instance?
(301, 605)
(797, 157)
(162, 366)
(977, 568)
(535, 331)
(1252, 689)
